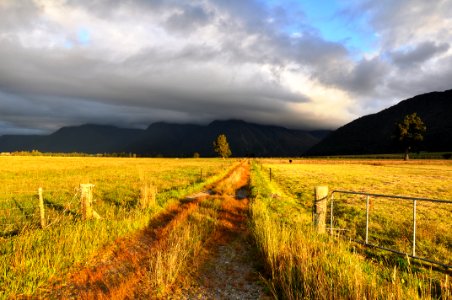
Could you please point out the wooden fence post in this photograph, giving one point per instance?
(41, 208)
(86, 196)
(320, 203)
(148, 195)
(144, 196)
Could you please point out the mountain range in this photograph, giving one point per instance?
(371, 134)
(171, 140)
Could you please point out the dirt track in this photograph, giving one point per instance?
(225, 268)
(230, 262)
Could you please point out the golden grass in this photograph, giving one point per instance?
(390, 220)
(183, 246)
(33, 256)
(304, 265)
(187, 238)
(414, 178)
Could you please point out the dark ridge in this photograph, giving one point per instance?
(171, 140)
(372, 134)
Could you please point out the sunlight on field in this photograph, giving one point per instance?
(25, 174)
(304, 264)
(117, 182)
(430, 179)
(31, 256)
(391, 220)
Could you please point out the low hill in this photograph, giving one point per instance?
(372, 134)
(166, 139)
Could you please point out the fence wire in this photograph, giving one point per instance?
(21, 211)
(410, 226)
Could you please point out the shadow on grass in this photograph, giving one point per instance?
(9, 234)
(26, 211)
(60, 208)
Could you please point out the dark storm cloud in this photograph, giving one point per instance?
(188, 18)
(154, 80)
(418, 83)
(401, 21)
(363, 78)
(419, 54)
(64, 75)
(366, 75)
(19, 14)
(413, 38)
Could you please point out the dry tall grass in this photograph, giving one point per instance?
(304, 265)
(183, 245)
(391, 220)
(33, 257)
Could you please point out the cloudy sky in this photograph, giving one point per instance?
(295, 63)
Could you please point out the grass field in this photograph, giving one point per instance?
(299, 262)
(30, 256)
(118, 183)
(303, 264)
(390, 220)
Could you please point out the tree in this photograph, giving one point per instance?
(221, 146)
(410, 132)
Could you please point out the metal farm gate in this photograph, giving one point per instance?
(366, 242)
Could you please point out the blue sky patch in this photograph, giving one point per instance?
(83, 36)
(328, 19)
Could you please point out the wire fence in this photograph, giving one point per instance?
(416, 227)
(117, 195)
(22, 210)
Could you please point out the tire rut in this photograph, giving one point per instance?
(226, 268)
(117, 269)
(230, 266)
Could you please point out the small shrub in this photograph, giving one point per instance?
(447, 155)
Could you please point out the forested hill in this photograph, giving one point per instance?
(372, 134)
(166, 139)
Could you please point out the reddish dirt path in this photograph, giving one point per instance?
(117, 270)
(225, 270)
(230, 262)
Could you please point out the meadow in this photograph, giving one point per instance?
(298, 262)
(304, 264)
(31, 256)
